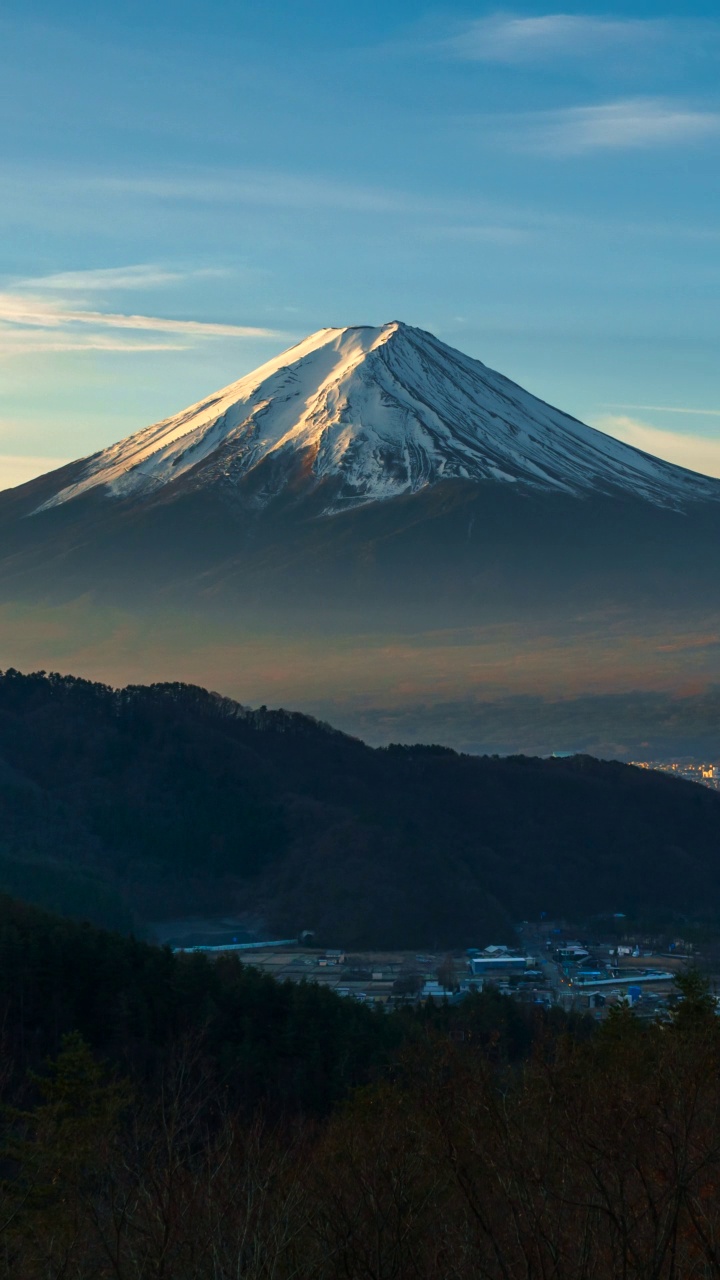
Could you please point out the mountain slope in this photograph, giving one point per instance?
(176, 802)
(384, 411)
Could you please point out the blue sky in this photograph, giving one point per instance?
(187, 188)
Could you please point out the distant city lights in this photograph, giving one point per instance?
(708, 775)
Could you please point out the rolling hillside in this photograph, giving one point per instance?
(155, 802)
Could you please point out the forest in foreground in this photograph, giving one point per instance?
(149, 803)
(164, 1117)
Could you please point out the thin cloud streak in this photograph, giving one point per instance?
(24, 186)
(21, 310)
(452, 217)
(284, 190)
(143, 275)
(507, 39)
(665, 408)
(31, 323)
(139, 276)
(196, 328)
(627, 124)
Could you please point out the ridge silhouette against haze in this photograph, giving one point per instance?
(167, 801)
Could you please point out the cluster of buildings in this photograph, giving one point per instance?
(371, 977)
(549, 969)
(384, 977)
(593, 976)
(567, 972)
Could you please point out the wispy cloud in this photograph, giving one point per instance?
(697, 453)
(508, 39)
(448, 215)
(36, 311)
(266, 188)
(630, 123)
(33, 193)
(143, 275)
(197, 193)
(666, 408)
(38, 318)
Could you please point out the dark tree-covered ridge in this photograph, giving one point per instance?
(287, 1046)
(150, 802)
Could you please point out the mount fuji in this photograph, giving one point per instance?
(371, 480)
(379, 412)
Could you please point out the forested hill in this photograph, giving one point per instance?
(130, 805)
(287, 1046)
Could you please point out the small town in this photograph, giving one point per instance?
(549, 966)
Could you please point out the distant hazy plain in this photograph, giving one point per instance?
(600, 685)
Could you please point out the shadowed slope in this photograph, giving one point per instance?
(175, 801)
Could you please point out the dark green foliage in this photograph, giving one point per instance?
(288, 1045)
(168, 800)
(64, 888)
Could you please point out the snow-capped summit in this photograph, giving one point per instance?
(384, 411)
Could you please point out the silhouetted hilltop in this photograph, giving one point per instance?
(150, 802)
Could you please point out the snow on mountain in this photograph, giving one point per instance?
(386, 411)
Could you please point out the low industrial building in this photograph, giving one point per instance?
(498, 960)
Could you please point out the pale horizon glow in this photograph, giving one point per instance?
(697, 453)
(15, 470)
